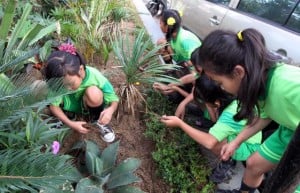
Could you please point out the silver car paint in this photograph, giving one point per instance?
(202, 17)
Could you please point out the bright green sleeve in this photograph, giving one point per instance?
(57, 101)
(227, 128)
(109, 93)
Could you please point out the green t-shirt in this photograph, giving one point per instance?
(227, 128)
(184, 44)
(283, 95)
(93, 77)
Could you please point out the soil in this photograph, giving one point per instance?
(129, 130)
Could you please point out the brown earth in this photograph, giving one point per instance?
(129, 130)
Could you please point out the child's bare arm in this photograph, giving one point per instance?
(186, 79)
(249, 130)
(203, 138)
(106, 114)
(180, 111)
(213, 113)
(76, 125)
(180, 90)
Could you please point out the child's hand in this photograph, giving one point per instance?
(170, 121)
(171, 88)
(105, 116)
(161, 41)
(188, 63)
(228, 150)
(160, 86)
(78, 126)
(165, 89)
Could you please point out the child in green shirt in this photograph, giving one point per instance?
(180, 44)
(241, 64)
(91, 91)
(223, 131)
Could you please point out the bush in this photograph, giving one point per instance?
(177, 155)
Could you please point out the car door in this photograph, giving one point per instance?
(203, 16)
(279, 24)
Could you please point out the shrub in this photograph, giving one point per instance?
(177, 155)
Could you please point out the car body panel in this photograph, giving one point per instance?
(198, 15)
(206, 18)
(277, 38)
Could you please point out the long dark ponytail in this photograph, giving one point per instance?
(222, 50)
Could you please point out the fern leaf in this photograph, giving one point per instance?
(33, 170)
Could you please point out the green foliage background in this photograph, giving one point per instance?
(178, 156)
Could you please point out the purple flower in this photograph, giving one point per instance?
(55, 147)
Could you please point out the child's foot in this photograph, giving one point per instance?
(223, 171)
(106, 133)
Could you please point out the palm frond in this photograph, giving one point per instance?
(14, 62)
(29, 131)
(6, 24)
(18, 28)
(18, 42)
(140, 63)
(19, 96)
(140, 54)
(33, 170)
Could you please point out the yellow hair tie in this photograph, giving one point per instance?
(180, 13)
(171, 21)
(239, 35)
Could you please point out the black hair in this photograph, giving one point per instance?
(194, 57)
(222, 50)
(60, 63)
(166, 14)
(209, 91)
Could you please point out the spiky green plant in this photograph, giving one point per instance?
(118, 10)
(18, 46)
(33, 171)
(20, 43)
(139, 61)
(29, 132)
(103, 173)
(92, 20)
(24, 163)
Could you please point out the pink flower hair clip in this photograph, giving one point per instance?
(67, 47)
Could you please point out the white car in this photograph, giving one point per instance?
(277, 20)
